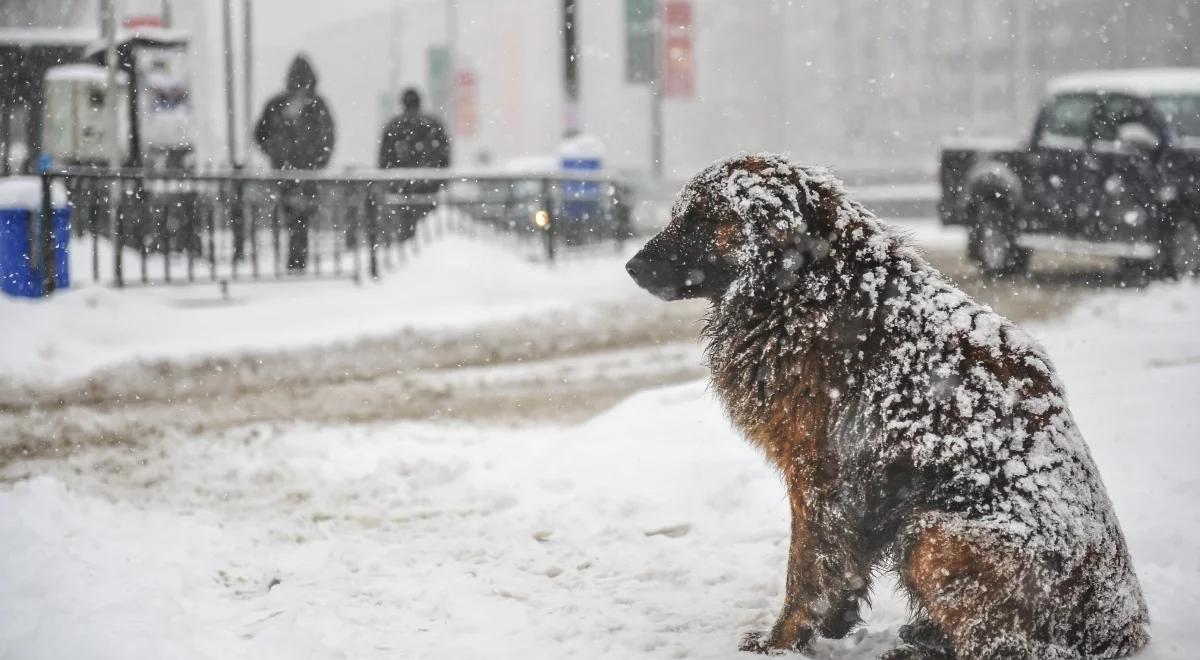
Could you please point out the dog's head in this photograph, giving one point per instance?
(755, 221)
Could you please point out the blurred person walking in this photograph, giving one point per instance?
(413, 140)
(296, 132)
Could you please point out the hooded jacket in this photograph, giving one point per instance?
(296, 130)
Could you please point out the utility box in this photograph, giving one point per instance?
(26, 260)
(76, 118)
(165, 113)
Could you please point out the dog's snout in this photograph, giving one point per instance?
(636, 266)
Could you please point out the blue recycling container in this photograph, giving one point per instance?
(22, 264)
(581, 198)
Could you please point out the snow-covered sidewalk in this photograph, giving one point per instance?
(453, 283)
(651, 531)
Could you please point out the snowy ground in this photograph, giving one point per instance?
(650, 530)
(454, 283)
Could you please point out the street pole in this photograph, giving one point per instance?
(656, 98)
(247, 73)
(111, 141)
(230, 93)
(1022, 70)
(452, 67)
(235, 161)
(395, 79)
(570, 68)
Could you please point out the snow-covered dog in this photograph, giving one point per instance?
(914, 427)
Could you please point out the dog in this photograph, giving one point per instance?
(916, 429)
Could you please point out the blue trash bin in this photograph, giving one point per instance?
(22, 265)
(582, 207)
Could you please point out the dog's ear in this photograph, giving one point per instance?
(786, 219)
(798, 228)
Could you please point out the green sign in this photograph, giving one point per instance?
(439, 79)
(640, 33)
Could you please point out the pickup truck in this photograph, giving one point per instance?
(1112, 168)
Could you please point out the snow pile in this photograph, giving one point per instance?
(652, 531)
(25, 193)
(455, 282)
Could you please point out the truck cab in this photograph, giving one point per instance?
(1110, 168)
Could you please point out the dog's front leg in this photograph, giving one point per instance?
(823, 584)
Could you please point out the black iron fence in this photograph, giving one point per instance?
(179, 227)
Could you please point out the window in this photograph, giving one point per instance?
(1067, 124)
(1119, 110)
(1182, 113)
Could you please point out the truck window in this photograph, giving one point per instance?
(1067, 123)
(1182, 112)
(1120, 110)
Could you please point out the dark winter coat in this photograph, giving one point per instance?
(414, 140)
(296, 130)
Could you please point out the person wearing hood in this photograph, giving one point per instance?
(412, 140)
(296, 133)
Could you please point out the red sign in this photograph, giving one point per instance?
(139, 22)
(679, 65)
(677, 14)
(466, 104)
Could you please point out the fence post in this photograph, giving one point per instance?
(189, 234)
(276, 228)
(356, 225)
(552, 222)
(49, 257)
(93, 197)
(210, 216)
(164, 237)
(117, 224)
(249, 224)
(372, 231)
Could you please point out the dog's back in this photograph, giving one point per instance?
(1008, 524)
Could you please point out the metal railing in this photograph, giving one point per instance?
(181, 227)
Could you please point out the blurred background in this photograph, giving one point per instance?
(861, 85)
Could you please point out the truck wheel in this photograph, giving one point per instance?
(993, 243)
(1182, 249)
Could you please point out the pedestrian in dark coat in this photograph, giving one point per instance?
(296, 132)
(413, 140)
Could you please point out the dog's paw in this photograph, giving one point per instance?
(914, 653)
(754, 642)
(927, 640)
(766, 644)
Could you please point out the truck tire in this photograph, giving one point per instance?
(992, 242)
(1181, 249)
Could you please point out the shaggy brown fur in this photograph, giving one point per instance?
(915, 429)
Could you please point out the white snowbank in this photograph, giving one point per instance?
(25, 193)
(651, 531)
(454, 282)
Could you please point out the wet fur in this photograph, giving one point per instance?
(804, 334)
